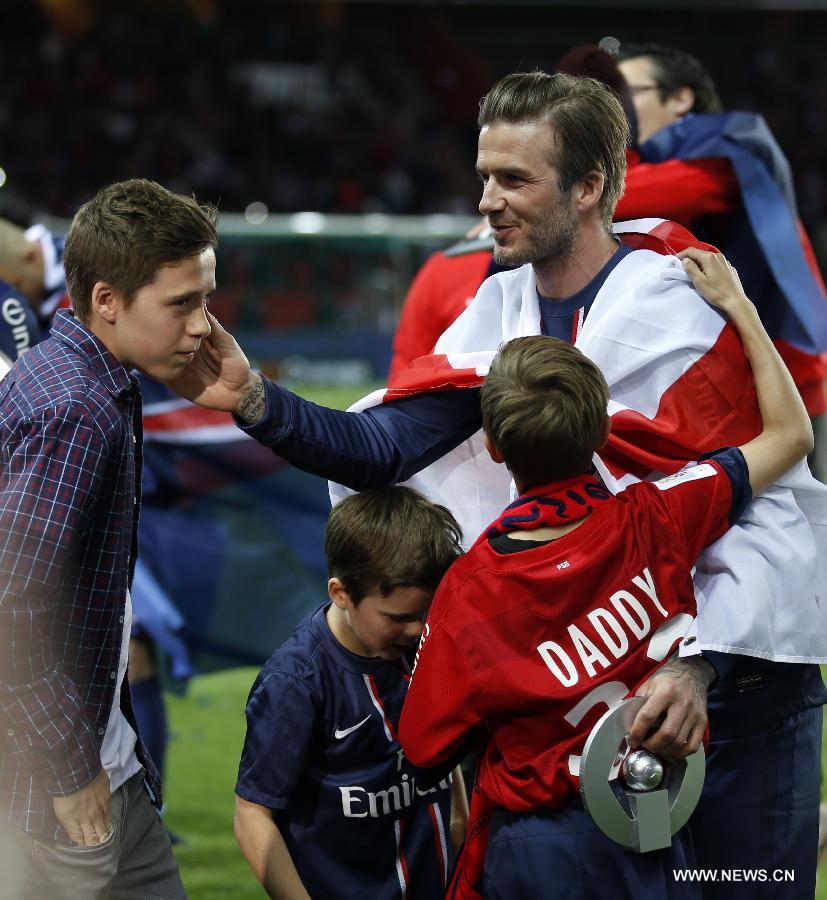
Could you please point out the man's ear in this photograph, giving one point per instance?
(588, 191)
(680, 102)
(337, 593)
(105, 302)
(607, 430)
(491, 447)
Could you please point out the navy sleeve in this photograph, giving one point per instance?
(732, 461)
(280, 721)
(382, 445)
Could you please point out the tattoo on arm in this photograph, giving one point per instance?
(694, 669)
(252, 406)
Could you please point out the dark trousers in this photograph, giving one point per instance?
(562, 855)
(759, 810)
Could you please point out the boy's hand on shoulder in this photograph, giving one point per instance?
(714, 277)
(673, 720)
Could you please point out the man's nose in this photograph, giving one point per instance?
(492, 199)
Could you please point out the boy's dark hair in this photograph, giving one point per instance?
(126, 232)
(385, 538)
(544, 407)
(675, 69)
(590, 129)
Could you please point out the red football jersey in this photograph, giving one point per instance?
(527, 649)
(439, 293)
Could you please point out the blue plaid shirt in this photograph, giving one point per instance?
(70, 465)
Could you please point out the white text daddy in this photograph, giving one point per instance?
(624, 619)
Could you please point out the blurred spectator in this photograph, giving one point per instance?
(725, 177)
(31, 260)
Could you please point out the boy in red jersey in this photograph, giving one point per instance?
(568, 602)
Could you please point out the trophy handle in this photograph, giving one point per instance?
(641, 821)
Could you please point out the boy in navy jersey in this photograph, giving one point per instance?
(327, 804)
(568, 602)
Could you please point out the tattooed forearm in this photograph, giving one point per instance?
(251, 408)
(694, 667)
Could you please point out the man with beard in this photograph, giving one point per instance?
(449, 279)
(552, 161)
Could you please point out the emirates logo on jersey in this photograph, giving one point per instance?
(14, 315)
(360, 803)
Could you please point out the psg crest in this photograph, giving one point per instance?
(635, 798)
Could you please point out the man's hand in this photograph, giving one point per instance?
(86, 816)
(220, 377)
(678, 692)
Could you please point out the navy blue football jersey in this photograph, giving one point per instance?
(18, 326)
(322, 753)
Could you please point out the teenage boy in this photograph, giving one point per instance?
(76, 786)
(327, 805)
(568, 602)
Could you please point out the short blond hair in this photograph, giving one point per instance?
(544, 407)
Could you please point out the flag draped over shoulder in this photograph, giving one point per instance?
(680, 386)
(765, 240)
(231, 538)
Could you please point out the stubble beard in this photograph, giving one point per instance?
(551, 241)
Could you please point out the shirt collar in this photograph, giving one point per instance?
(67, 329)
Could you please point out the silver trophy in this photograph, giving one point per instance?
(634, 797)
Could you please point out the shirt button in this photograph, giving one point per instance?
(10, 732)
(112, 675)
(134, 439)
(101, 731)
(120, 619)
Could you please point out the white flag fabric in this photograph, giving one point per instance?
(680, 386)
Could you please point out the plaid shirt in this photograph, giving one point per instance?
(70, 463)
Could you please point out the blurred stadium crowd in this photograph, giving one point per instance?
(339, 107)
